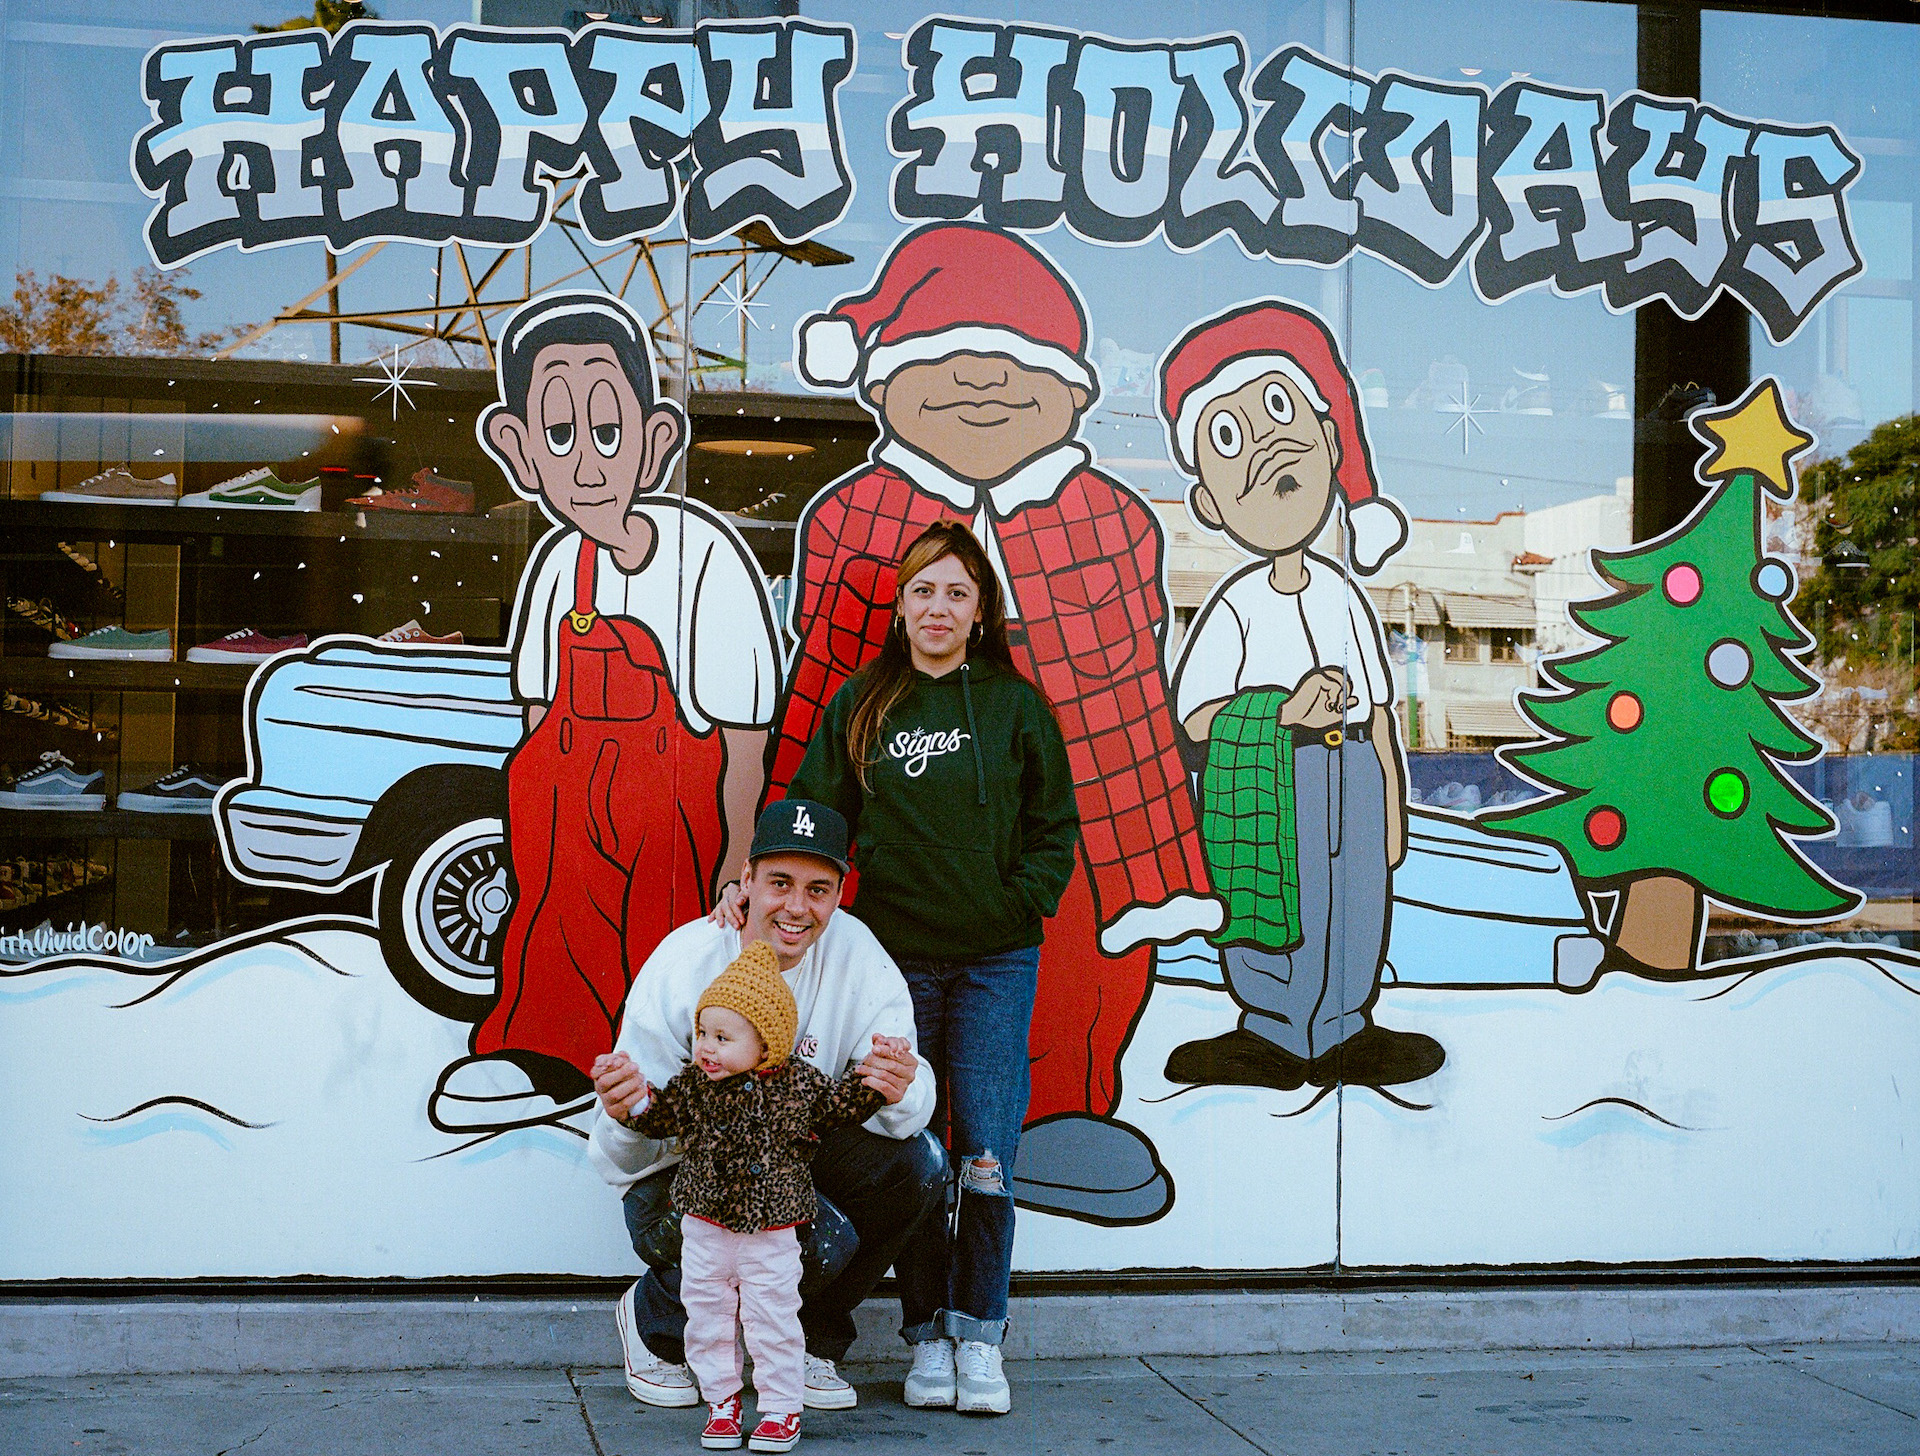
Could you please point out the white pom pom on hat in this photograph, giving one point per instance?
(829, 351)
(1375, 530)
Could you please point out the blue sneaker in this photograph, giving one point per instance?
(56, 784)
(119, 644)
(184, 791)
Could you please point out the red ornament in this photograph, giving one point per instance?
(1606, 827)
(1624, 712)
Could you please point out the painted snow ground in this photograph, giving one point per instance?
(262, 1112)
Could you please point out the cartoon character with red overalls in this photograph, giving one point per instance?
(645, 656)
(970, 347)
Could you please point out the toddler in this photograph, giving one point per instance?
(748, 1115)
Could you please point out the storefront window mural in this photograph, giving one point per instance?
(1458, 857)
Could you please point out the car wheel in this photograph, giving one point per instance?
(443, 914)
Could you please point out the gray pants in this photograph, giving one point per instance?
(1312, 998)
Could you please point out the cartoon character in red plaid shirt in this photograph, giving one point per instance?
(970, 347)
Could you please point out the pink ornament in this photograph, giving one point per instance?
(1681, 584)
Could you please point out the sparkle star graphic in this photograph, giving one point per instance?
(1467, 408)
(393, 379)
(737, 303)
(1753, 433)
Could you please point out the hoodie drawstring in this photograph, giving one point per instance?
(973, 733)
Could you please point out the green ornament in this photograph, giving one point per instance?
(1727, 793)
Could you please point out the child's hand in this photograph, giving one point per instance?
(729, 906)
(889, 1067)
(619, 1084)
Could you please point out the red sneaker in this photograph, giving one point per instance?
(246, 645)
(723, 1425)
(429, 494)
(775, 1433)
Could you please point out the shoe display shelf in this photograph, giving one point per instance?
(104, 824)
(179, 523)
(55, 674)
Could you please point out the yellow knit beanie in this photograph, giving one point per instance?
(754, 987)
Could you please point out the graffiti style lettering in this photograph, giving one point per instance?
(400, 131)
(1792, 246)
(1312, 97)
(1668, 177)
(1420, 169)
(1221, 190)
(770, 149)
(976, 128)
(1530, 185)
(1120, 126)
(1540, 190)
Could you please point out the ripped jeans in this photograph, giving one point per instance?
(972, 1018)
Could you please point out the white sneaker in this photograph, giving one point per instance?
(825, 1389)
(930, 1382)
(982, 1385)
(649, 1378)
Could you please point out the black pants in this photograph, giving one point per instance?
(873, 1192)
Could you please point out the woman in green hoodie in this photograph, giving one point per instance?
(951, 772)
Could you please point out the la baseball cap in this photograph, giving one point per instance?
(801, 826)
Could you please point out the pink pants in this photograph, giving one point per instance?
(756, 1277)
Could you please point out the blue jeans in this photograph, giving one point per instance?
(972, 1017)
(873, 1192)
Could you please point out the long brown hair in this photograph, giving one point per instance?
(885, 680)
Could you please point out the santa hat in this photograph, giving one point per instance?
(1227, 352)
(952, 288)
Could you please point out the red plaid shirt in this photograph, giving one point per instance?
(1083, 568)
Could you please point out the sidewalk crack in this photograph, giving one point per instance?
(1201, 1405)
(1815, 1376)
(291, 1415)
(580, 1400)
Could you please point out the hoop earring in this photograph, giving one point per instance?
(979, 631)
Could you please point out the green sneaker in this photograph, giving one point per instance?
(120, 645)
(258, 490)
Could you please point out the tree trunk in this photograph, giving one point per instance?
(1658, 922)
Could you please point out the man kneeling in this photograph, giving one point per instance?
(874, 1182)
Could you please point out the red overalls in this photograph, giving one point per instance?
(613, 822)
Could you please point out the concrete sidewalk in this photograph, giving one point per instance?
(1847, 1400)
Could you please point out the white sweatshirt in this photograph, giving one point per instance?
(846, 987)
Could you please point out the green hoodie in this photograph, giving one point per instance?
(966, 841)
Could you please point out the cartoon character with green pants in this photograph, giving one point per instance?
(1284, 678)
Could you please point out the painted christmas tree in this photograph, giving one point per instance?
(1665, 742)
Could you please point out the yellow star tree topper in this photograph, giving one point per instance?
(1753, 433)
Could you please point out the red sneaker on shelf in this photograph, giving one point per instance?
(412, 634)
(775, 1433)
(723, 1425)
(246, 645)
(428, 493)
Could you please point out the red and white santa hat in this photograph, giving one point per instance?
(1222, 354)
(951, 288)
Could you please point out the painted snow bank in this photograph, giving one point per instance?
(1749, 1116)
(1753, 1115)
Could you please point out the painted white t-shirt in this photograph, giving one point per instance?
(1250, 636)
(716, 631)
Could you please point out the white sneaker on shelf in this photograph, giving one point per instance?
(981, 1385)
(930, 1382)
(649, 1378)
(825, 1389)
